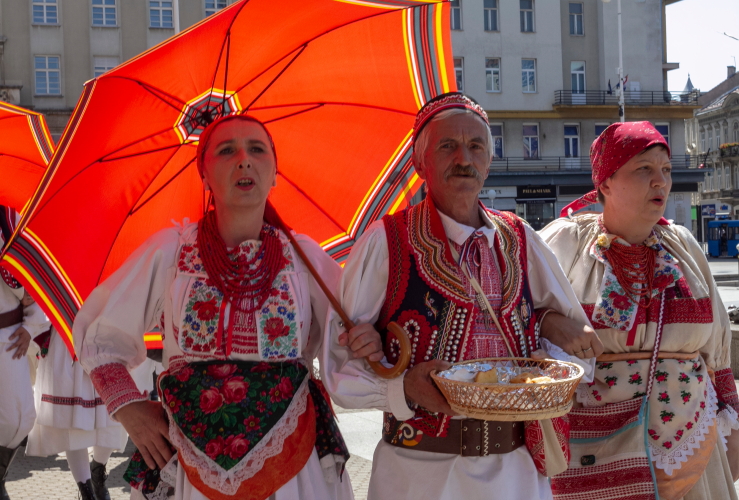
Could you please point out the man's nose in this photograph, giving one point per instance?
(464, 155)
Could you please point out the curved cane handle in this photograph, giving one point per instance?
(404, 357)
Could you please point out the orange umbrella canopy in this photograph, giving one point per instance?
(337, 83)
(25, 149)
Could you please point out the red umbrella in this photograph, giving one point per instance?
(25, 149)
(338, 83)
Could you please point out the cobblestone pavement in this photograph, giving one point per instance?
(34, 478)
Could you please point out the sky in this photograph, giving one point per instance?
(695, 40)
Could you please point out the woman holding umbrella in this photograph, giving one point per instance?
(649, 293)
(241, 319)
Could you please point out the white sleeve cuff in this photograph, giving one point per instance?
(396, 399)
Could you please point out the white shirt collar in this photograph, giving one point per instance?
(459, 233)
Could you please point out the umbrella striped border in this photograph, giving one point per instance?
(426, 51)
(39, 129)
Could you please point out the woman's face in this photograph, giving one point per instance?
(238, 165)
(638, 191)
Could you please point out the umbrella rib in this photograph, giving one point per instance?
(152, 90)
(335, 103)
(300, 112)
(107, 158)
(295, 186)
(267, 87)
(24, 159)
(133, 211)
(120, 228)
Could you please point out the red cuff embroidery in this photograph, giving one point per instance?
(726, 388)
(115, 386)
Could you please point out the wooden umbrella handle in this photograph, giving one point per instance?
(404, 356)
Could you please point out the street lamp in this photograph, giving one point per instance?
(620, 66)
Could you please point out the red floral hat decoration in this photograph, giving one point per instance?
(618, 144)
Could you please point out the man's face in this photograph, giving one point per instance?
(457, 160)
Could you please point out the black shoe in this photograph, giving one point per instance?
(99, 475)
(86, 490)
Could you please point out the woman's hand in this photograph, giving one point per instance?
(732, 454)
(147, 425)
(23, 340)
(571, 335)
(364, 341)
(419, 387)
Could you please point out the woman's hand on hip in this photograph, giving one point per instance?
(146, 424)
(364, 341)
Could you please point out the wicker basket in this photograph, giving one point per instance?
(514, 402)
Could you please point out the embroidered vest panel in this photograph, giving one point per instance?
(428, 295)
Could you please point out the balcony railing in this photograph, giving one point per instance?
(572, 164)
(631, 98)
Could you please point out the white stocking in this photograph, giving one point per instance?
(101, 455)
(79, 464)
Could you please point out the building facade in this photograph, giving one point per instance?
(713, 134)
(546, 72)
(50, 48)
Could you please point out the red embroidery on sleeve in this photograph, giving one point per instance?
(115, 386)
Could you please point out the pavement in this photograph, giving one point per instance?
(34, 478)
(49, 478)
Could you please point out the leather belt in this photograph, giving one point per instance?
(468, 437)
(11, 318)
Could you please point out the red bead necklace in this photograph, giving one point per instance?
(634, 267)
(243, 284)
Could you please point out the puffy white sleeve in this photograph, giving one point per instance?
(550, 287)
(330, 273)
(108, 330)
(34, 320)
(351, 382)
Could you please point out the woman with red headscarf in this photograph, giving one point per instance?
(241, 319)
(661, 410)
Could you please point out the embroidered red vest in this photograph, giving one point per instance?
(427, 294)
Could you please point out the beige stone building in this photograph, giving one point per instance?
(50, 48)
(546, 72)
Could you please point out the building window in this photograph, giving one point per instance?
(160, 14)
(491, 15)
(726, 133)
(576, 27)
(710, 138)
(531, 142)
(496, 130)
(45, 12)
(736, 131)
(577, 74)
(103, 65)
(459, 73)
(456, 14)
(599, 128)
(492, 74)
(527, 16)
(572, 141)
(528, 75)
(718, 138)
(48, 75)
(664, 129)
(103, 13)
(213, 6)
(703, 141)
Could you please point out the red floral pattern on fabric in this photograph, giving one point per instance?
(115, 386)
(726, 388)
(677, 311)
(535, 440)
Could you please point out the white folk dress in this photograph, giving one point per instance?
(151, 286)
(684, 409)
(70, 413)
(405, 473)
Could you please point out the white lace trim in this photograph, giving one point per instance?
(671, 460)
(728, 420)
(228, 481)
